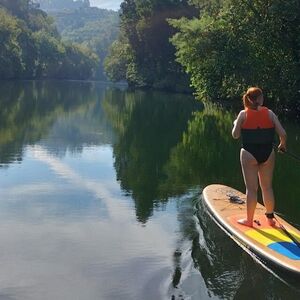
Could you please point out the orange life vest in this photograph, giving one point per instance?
(258, 128)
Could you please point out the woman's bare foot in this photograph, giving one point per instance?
(271, 222)
(270, 219)
(245, 222)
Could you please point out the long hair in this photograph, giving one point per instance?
(250, 97)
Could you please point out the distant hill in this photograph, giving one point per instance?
(32, 48)
(58, 5)
(78, 22)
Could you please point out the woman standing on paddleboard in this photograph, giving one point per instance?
(256, 124)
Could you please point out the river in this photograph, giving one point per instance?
(100, 192)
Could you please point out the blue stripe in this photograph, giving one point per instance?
(288, 249)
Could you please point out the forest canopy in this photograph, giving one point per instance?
(216, 47)
(31, 46)
(224, 46)
(143, 55)
(235, 44)
(90, 27)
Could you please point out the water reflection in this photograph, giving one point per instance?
(105, 184)
(206, 153)
(148, 125)
(149, 135)
(224, 271)
(51, 112)
(67, 230)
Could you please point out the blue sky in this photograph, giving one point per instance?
(108, 4)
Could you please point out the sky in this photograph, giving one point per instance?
(108, 4)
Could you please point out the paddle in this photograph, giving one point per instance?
(285, 217)
(292, 155)
(280, 225)
(296, 157)
(287, 233)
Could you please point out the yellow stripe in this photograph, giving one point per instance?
(295, 235)
(270, 235)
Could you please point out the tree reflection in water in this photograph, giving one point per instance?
(163, 152)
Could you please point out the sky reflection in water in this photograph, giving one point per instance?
(99, 192)
(67, 228)
(68, 236)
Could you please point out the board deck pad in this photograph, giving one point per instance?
(269, 242)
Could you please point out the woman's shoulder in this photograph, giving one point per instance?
(242, 113)
(271, 114)
(269, 110)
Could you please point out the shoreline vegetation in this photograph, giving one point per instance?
(213, 49)
(32, 48)
(69, 42)
(220, 48)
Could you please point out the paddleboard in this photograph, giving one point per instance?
(276, 244)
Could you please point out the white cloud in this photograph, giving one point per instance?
(102, 190)
(108, 4)
(93, 259)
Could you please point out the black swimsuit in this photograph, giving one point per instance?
(258, 134)
(261, 152)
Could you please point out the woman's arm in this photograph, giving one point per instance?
(237, 125)
(280, 131)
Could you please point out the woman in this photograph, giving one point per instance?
(256, 125)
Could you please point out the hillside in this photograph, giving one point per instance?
(90, 27)
(58, 5)
(31, 46)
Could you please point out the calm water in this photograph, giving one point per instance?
(100, 191)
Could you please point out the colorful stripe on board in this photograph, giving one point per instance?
(276, 240)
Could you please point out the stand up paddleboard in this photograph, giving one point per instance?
(279, 245)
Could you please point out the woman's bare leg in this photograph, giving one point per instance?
(265, 174)
(250, 171)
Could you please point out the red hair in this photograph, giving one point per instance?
(251, 96)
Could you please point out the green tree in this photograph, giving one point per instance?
(144, 25)
(235, 44)
(32, 48)
(117, 61)
(79, 60)
(10, 51)
(90, 27)
(50, 54)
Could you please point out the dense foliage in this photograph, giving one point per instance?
(143, 54)
(91, 27)
(32, 48)
(235, 44)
